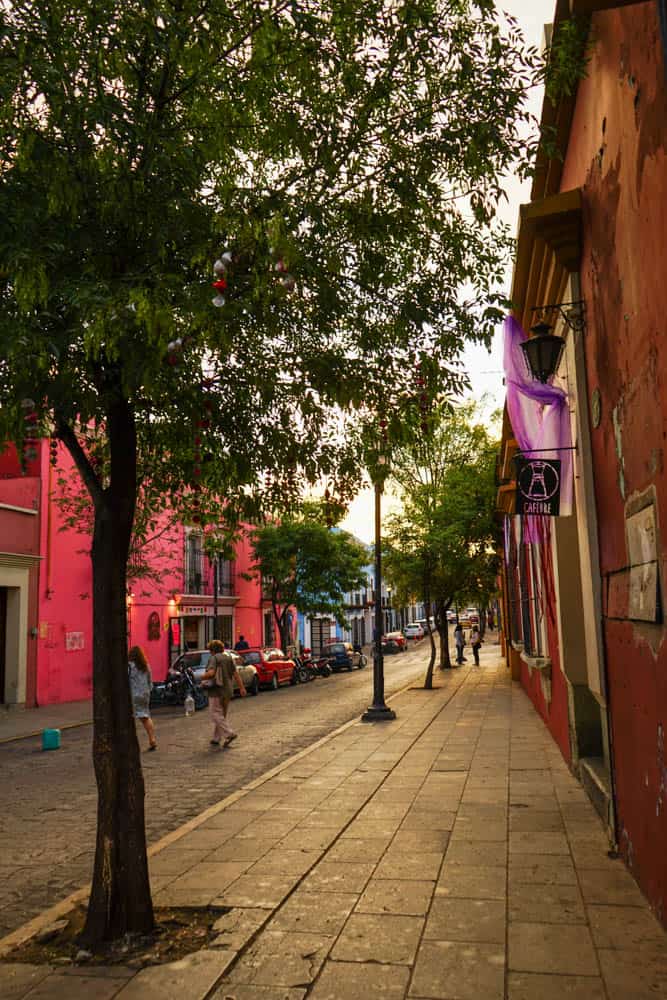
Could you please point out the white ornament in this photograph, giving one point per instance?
(171, 346)
(27, 404)
(227, 257)
(288, 282)
(178, 342)
(219, 267)
(218, 301)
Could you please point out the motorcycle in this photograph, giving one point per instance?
(175, 688)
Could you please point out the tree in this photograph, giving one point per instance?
(442, 545)
(308, 566)
(341, 160)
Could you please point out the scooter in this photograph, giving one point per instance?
(177, 685)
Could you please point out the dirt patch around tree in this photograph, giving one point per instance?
(178, 932)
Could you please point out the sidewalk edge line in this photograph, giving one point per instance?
(28, 930)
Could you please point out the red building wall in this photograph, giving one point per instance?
(617, 156)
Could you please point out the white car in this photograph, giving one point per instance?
(413, 631)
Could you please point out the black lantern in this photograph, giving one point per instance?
(543, 352)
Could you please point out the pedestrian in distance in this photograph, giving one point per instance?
(219, 680)
(241, 644)
(140, 689)
(459, 641)
(476, 643)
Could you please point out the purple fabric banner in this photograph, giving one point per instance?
(539, 416)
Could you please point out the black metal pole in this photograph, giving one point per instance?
(215, 596)
(378, 711)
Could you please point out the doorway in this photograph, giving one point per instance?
(3, 642)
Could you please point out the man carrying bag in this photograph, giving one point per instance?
(220, 674)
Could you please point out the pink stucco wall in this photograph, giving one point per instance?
(64, 660)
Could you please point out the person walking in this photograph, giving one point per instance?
(241, 644)
(140, 689)
(459, 640)
(219, 680)
(476, 643)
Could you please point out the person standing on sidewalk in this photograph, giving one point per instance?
(476, 643)
(140, 690)
(220, 674)
(459, 640)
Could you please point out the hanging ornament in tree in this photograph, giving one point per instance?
(220, 268)
(53, 446)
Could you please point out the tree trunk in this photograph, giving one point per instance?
(428, 680)
(443, 631)
(120, 899)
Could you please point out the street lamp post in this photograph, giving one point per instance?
(378, 711)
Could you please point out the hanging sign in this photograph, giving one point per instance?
(538, 486)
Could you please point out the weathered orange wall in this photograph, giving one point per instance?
(617, 156)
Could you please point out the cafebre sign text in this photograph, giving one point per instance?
(538, 486)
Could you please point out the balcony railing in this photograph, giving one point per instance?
(199, 575)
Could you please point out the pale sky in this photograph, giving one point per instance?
(484, 367)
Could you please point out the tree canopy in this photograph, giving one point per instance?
(340, 161)
(307, 566)
(442, 545)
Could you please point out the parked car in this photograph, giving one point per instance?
(413, 631)
(340, 655)
(396, 637)
(390, 646)
(197, 660)
(451, 616)
(272, 666)
(472, 614)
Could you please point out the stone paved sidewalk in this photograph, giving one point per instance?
(447, 855)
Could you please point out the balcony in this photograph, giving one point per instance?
(199, 577)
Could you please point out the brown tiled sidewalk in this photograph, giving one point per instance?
(449, 855)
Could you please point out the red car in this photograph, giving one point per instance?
(272, 666)
(398, 638)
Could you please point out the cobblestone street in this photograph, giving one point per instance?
(48, 800)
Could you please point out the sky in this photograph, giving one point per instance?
(483, 367)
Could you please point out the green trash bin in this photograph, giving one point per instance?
(50, 739)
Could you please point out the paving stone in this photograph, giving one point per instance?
(234, 929)
(480, 852)
(237, 991)
(176, 862)
(464, 971)
(614, 885)
(373, 937)
(265, 891)
(58, 987)
(385, 896)
(338, 877)
(480, 830)
(546, 904)
(431, 841)
(634, 975)
(565, 949)
(192, 976)
(532, 986)
(472, 881)
(211, 875)
(538, 843)
(317, 839)
(478, 920)
(325, 912)
(342, 981)
(358, 850)
(291, 862)
(236, 849)
(535, 821)
(282, 959)
(399, 863)
(372, 828)
(626, 927)
(443, 820)
(17, 978)
(541, 869)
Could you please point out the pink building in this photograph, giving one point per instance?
(46, 591)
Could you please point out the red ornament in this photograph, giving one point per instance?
(220, 284)
(172, 359)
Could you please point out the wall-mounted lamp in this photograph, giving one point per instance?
(543, 350)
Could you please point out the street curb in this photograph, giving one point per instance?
(38, 732)
(44, 919)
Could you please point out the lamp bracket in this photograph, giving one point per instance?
(573, 314)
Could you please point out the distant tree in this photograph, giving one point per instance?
(305, 565)
(442, 545)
